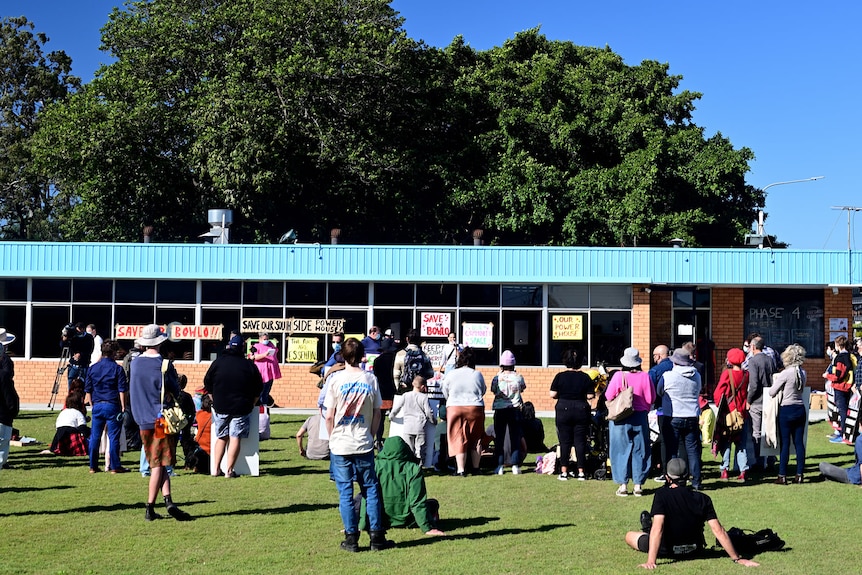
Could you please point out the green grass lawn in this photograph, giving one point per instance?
(56, 518)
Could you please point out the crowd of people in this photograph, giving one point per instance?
(759, 399)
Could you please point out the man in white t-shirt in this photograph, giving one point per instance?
(352, 413)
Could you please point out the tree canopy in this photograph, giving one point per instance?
(29, 79)
(319, 114)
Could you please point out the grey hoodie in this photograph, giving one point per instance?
(681, 389)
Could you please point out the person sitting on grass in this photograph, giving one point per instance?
(852, 474)
(72, 436)
(674, 529)
(402, 484)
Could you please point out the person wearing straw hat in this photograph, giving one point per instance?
(9, 403)
(629, 437)
(145, 390)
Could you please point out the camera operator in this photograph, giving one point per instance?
(80, 350)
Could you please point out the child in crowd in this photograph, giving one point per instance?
(73, 435)
(415, 410)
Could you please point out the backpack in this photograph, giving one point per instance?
(751, 543)
(416, 363)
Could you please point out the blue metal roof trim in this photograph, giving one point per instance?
(304, 262)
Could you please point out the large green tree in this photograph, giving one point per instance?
(314, 114)
(29, 79)
(578, 148)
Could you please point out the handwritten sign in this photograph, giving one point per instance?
(291, 325)
(434, 351)
(567, 327)
(478, 335)
(435, 324)
(124, 331)
(302, 349)
(179, 331)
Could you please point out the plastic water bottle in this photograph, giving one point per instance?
(538, 464)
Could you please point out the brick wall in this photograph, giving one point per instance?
(651, 321)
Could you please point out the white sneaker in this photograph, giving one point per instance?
(499, 470)
(622, 491)
(563, 477)
(515, 470)
(582, 477)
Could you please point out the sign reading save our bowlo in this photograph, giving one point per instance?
(175, 331)
(291, 325)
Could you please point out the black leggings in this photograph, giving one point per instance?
(573, 427)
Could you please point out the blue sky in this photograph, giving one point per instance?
(781, 78)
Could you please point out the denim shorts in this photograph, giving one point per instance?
(230, 425)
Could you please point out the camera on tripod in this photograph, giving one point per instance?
(68, 333)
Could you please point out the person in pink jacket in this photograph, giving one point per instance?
(629, 438)
(265, 356)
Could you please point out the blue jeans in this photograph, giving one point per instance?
(741, 441)
(5, 438)
(842, 404)
(344, 469)
(630, 449)
(74, 371)
(105, 413)
(683, 434)
(791, 424)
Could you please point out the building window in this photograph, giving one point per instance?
(571, 296)
(263, 293)
(51, 320)
(14, 319)
(610, 335)
(611, 296)
(393, 294)
(306, 293)
(483, 356)
(13, 290)
(93, 290)
(568, 330)
(184, 292)
(522, 333)
(52, 290)
(436, 295)
(522, 296)
(220, 292)
(480, 295)
(136, 291)
(348, 294)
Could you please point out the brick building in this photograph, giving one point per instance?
(534, 300)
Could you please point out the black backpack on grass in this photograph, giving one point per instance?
(750, 543)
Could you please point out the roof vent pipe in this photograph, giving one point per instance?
(220, 220)
(334, 234)
(477, 237)
(148, 233)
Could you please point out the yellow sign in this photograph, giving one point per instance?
(567, 327)
(302, 349)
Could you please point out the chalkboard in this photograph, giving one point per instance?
(785, 316)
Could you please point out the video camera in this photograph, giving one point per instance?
(68, 332)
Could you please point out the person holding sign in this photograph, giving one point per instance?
(265, 356)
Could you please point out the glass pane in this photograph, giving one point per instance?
(356, 321)
(702, 298)
(572, 335)
(184, 348)
(400, 321)
(522, 296)
(94, 290)
(393, 294)
(682, 298)
(522, 333)
(46, 340)
(175, 292)
(263, 312)
(229, 318)
(480, 295)
(436, 295)
(611, 333)
(136, 291)
(568, 296)
(98, 315)
(611, 296)
(483, 356)
(52, 290)
(348, 294)
(306, 293)
(271, 293)
(13, 318)
(133, 315)
(13, 290)
(221, 292)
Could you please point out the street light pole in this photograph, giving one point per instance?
(760, 230)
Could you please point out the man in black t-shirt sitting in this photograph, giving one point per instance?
(678, 516)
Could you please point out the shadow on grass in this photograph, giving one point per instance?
(33, 489)
(448, 525)
(297, 508)
(287, 471)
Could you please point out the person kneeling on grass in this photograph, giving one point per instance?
(402, 484)
(678, 515)
(852, 474)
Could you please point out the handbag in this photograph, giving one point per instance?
(621, 406)
(172, 417)
(733, 421)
